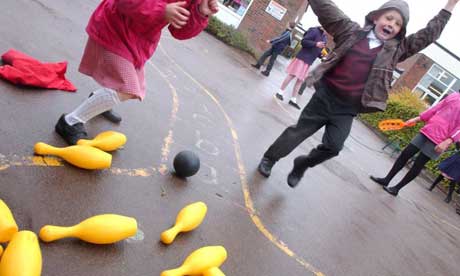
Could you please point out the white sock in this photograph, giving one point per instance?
(102, 100)
(280, 92)
(294, 99)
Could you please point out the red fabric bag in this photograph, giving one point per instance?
(21, 69)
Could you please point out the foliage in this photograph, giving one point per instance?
(228, 34)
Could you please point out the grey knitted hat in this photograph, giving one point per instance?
(401, 6)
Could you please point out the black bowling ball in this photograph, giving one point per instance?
(186, 163)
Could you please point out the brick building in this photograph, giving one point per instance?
(431, 77)
(261, 20)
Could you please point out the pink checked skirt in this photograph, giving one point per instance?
(298, 68)
(112, 71)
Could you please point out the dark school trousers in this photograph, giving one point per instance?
(269, 53)
(324, 109)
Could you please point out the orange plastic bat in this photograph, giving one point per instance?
(393, 124)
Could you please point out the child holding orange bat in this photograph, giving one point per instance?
(442, 128)
(354, 78)
(123, 35)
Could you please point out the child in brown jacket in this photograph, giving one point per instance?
(354, 78)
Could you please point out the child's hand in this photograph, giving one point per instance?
(412, 122)
(443, 146)
(208, 7)
(320, 44)
(176, 14)
(451, 5)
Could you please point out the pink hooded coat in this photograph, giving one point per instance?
(132, 28)
(443, 120)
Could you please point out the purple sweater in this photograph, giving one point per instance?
(309, 51)
(349, 76)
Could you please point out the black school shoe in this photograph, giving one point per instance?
(110, 114)
(297, 172)
(266, 73)
(378, 180)
(265, 166)
(71, 134)
(391, 190)
(294, 104)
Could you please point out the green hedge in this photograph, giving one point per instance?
(228, 34)
(403, 104)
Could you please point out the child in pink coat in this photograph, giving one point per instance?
(442, 128)
(123, 35)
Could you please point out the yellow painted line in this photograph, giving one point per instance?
(243, 179)
(7, 162)
(168, 140)
(18, 161)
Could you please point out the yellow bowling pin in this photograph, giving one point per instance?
(22, 257)
(106, 141)
(189, 218)
(213, 271)
(8, 226)
(85, 157)
(199, 262)
(100, 229)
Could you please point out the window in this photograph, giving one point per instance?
(436, 84)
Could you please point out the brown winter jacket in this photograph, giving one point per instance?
(347, 33)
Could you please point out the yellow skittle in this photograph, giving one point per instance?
(189, 218)
(106, 141)
(202, 260)
(82, 156)
(214, 271)
(22, 257)
(8, 226)
(100, 229)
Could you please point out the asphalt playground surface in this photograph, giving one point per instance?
(204, 96)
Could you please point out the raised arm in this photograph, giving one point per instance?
(198, 20)
(424, 37)
(333, 20)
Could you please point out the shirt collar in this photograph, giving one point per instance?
(373, 40)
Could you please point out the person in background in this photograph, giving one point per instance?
(442, 128)
(450, 169)
(313, 42)
(278, 45)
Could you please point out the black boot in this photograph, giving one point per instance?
(448, 198)
(381, 181)
(266, 73)
(297, 172)
(265, 166)
(294, 104)
(391, 190)
(110, 114)
(437, 180)
(71, 134)
(257, 66)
